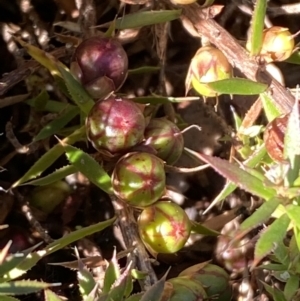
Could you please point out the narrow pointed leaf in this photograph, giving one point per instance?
(270, 237)
(50, 296)
(260, 216)
(9, 298)
(78, 93)
(13, 260)
(236, 175)
(135, 297)
(156, 290)
(291, 287)
(44, 58)
(89, 167)
(49, 157)
(238, 86)
(76, 235)
(229, 186)
(293, 212)
(292, 145)
(257, 26)
(57, 124)
(57, 175)
(270, 109)
(200, 229)
(112, 273)
(86, 280)
(23, 287)
(144, 18)
(274, 292)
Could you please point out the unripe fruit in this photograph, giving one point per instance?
(46, 198)
(101, 65)
(208, 65)
(183, 289)
(115, 125)
(165, 137)
(214, 279)
(139, 179)
(277, 45)
(274, 137)
(164, 227)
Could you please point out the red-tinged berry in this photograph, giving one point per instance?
(165, 137)
(101, 65)
(115, 125)
(139, 179)
(164, 227)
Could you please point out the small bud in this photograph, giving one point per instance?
(139, 179)
(164, 227)
(208, 65)
(115, 125)
(165, 137)
(46, 198)
(183, 289)
(214, 279)
(101, 65)
(277, 44)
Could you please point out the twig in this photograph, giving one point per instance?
(30, 217)
(237, 55)
(131, 238)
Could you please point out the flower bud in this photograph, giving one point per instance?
(139, 179)
(101, 65)
(115, 125)
(208, 65)
(183, 289)
(164, 227)
(46, 198)
(165, 137)
(214, 279)
(278, 44)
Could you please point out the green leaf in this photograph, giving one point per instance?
(274, 292)
(8, 298)
(76, 235)
(200, 229)
(294, 58)
(270, 109)
(13, 260)
(44, 58)
(154, 100)
(281, 253)
(156, 290)
(78, 93)
(293, 212)
(58, 244)
(229, 187)
(57, 175)
(51, 106)
(135, 297)
(57, 124)
(238, 86)
(50, 157)
(144, 69)
(260, 216)
(236, 175)
(86, 280)
(50, 296)
(40, 101)
(257, 26)
(112, 273)
(23, 287)
(270, 237)
(89, 167)
(291, 287)
(144, 18)
(292, 145)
